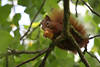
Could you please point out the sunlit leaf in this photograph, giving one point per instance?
(35, 24)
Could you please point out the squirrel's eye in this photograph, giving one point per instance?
(47, 23)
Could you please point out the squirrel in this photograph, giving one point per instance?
(52, 25)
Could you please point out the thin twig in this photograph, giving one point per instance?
(32, 59)
(51, 47)
(91, 8)
(14, 52)
(85, 50)
(76, 8)
(93, 56)
(44, 60)
(94, 36)
(33, 19)
(30, 33)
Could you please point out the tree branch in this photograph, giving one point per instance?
(14, 52)
(92, 55)
(91, 8)
(94, 36)
(69, 35)
(76, 8)
(33, 19)
(66, 17)
(51, 47)
(32, 59)
(79, 51)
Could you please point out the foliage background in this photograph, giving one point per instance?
(36, 41)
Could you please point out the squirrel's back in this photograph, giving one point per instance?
(57, 15)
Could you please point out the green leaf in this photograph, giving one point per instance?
(5, 40)
(95, 4)
(97, 44)
(4, 12)
(59, 52)
(30, 3)
(92, 61)
(17, 35)
(20, 47)
(35, 33)
(96, 19)
(16, 19)
(31, 6)
(11, 61)
(82, 64)
(31, 11)
(26, 3)
(16, 40)
(19, 59)
(0, 2)
(5, 26)
(60, 58)
(50, 4)
(2, 62)
(37, 63)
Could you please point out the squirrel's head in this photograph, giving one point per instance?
(51, 28)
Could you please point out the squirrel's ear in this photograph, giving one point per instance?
(47, 18)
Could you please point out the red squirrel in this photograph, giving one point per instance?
(52, 25)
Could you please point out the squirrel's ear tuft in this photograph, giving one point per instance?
(47, 18)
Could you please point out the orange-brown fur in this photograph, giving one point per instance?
(55, 20)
